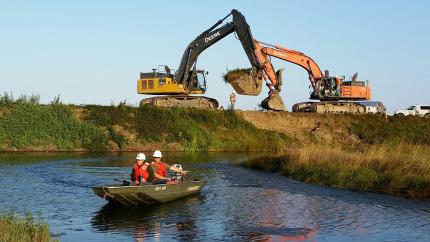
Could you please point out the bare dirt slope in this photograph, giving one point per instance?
(304, 127)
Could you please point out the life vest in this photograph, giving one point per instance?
(140, 171)
(161, 169)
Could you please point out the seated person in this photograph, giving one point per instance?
(157, 171)
(139, 173)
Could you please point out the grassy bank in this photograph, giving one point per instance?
(363, 152)
(15, 228)
(400, 169)
(26, 125)
(373, 129)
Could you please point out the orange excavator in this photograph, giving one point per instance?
(335, 93)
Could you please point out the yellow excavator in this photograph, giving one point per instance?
(173, 88)
(161, 81)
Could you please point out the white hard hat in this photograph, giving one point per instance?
(140, 156)
(157, 154)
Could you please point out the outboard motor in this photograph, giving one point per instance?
(177, 176)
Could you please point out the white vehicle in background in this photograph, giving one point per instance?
(374, 107)
(415, 110)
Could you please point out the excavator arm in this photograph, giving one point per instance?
(210, 37)
(264, 51)
(324, 87)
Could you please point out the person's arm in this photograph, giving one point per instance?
(158, 176)
(134, 177)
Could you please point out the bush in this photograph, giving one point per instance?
(35, 125)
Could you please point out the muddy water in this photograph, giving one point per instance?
(236, 205)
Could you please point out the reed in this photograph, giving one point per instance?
(26, 228)
(400, 169)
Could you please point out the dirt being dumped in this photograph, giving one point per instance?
(234, 74)
(244, 81)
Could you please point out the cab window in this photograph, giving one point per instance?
(144, 84)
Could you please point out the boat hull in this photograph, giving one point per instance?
(160, 193)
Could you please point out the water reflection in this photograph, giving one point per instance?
(172, 219)
(278, 234)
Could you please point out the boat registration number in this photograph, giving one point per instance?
(193, 188)
(161, 188)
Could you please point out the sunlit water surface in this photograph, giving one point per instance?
(236, 204)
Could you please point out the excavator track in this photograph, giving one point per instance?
(329, 107)
(181, 101)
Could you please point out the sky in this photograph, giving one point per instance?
(91, 52)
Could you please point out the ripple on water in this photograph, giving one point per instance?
(236, 204)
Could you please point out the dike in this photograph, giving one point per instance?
(362, 152)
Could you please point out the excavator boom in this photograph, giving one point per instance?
(188, 80)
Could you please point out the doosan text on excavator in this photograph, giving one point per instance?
(175, 88)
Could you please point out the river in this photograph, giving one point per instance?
(236, 204)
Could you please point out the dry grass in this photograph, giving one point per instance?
(235, 74)
(14, 228)
(401, 169)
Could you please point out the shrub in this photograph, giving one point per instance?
(27, 228)
(35, 125)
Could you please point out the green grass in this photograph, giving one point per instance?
(235, 74)
(14, 228)
(34, 125)
(374, 130)
(193, 129)
(26, 125)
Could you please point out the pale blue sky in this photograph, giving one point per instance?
(91, 52)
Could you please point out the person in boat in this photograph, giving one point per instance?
(139, 173)
(158, 170)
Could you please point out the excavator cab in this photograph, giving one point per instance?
(197, 82)
(161, 81)
(337, 88)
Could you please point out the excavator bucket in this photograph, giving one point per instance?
(273, 102)
(244, 82)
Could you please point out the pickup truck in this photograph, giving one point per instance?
(415, 110)
(374, 107)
